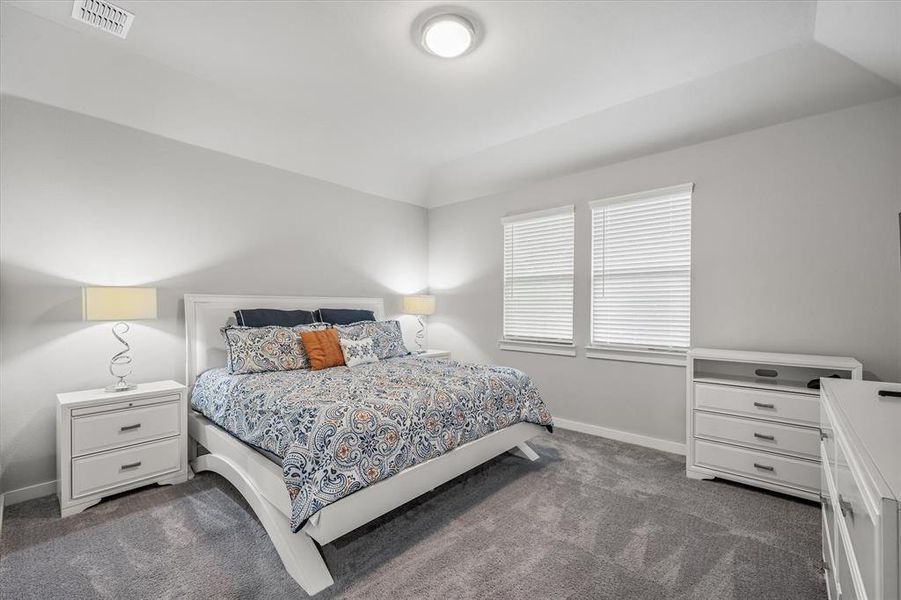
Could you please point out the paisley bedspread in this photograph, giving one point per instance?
(339, 430)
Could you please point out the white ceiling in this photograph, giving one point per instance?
(802, 80)
(867, 32)
(338, 91)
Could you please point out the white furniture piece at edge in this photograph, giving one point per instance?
(861, 489)
(745, 425)
(261, 481)
(433, 353)
(110, 442)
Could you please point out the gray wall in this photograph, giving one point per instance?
(795, 249)
(83, 201)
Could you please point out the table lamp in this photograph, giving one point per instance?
(420, 305)
(119, 304)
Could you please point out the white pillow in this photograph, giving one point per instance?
(358, 352)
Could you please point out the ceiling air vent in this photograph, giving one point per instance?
(103, 15)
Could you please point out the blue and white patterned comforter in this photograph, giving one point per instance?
(339, 430)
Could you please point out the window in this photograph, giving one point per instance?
(538, 276)
(641, 270)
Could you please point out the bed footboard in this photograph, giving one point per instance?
(261, 483)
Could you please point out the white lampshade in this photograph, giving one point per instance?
(118, 303)
(422, 304)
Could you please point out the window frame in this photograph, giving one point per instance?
(663, 355)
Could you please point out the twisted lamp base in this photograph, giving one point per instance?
(120, 361)
(420, 335)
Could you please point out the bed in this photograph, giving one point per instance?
(317, 454)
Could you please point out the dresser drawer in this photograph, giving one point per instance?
(774, 437)
(114, 429)
(827, 435)
(99, 472)
(829, 557)
(857, 510)
(828, 497)
(782, 470)
(846, 586)
(762, 404)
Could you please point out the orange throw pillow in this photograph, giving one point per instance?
(323, 348)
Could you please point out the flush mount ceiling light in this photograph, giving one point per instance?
(447, 32)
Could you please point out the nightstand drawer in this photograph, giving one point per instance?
(99, 472)
(114, 429)
(782, 470)
(761, 404)
(131, 403)
(773, 437)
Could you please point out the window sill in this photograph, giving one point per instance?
(673, 358)
(538, 347)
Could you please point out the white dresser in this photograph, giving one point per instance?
(751, 417)
(861, 489)
(111, 442)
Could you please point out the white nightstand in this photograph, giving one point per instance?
(430, 353)
(107, 443)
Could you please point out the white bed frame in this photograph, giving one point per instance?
(261, 481)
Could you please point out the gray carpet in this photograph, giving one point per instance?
(593, 518)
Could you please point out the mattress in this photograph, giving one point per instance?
(339, 430)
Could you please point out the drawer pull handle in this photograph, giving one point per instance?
(764, 405)
(130, 427)
(891, 393)
(823, 434)
(133, 465)
(845, 507)
(764, 437)
(764, 467)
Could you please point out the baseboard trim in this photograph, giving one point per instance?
(29, 493)
(621, 436)
(49, 487)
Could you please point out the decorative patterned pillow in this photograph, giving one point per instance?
(386, 336)
(261, 349)
(358, 352)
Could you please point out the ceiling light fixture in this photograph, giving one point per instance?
(446, 33)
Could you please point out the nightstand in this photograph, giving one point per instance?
(107, 443)
(430, 353)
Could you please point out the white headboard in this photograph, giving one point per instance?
(206, 314)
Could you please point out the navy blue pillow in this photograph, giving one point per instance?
(261, 317)
(343, 316)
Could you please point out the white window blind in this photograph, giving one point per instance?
(538, 276)
(641, 269)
